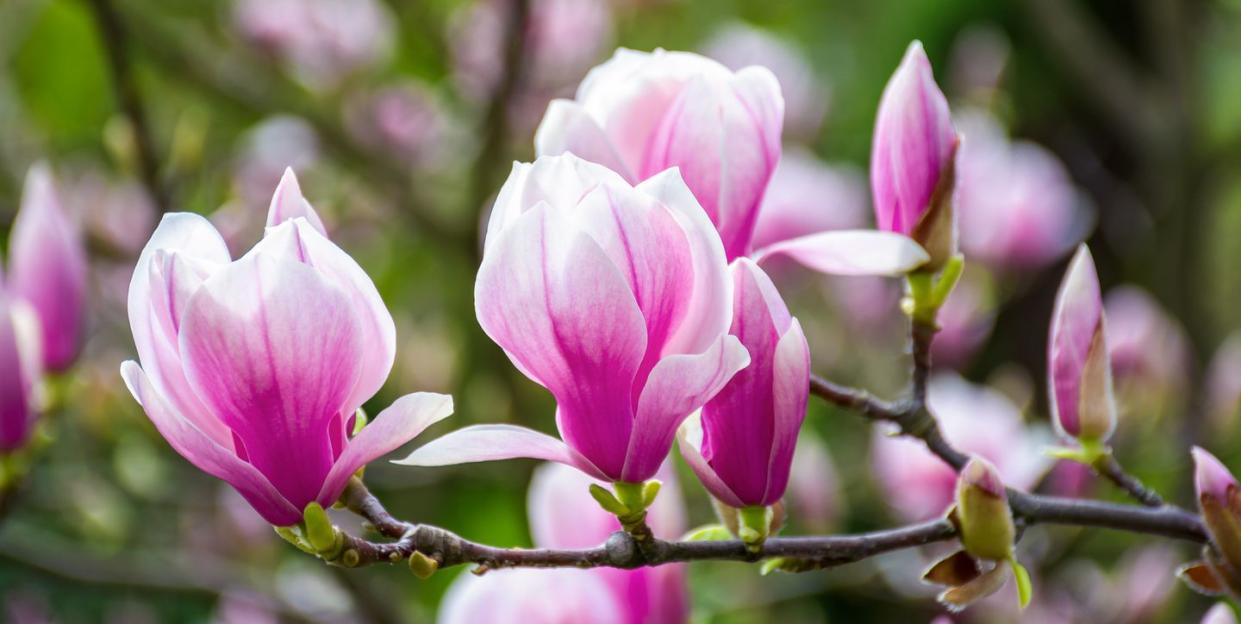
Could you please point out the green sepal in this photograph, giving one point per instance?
(292, 535)
(607, 500)
(754, 525)
(422, 566)
(1025, 590)
(709, 533)
(650, 490)
(631, 495)
(320, 534)
(947, 280)
(1089, 453)
(360, 420)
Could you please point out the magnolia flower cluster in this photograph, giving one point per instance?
(42, 304)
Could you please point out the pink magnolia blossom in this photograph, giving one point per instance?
(1145, 343)
(404, 121)
(253, 369)
(615, 298)
(1017, 207)
(1221, 613)
(741, 444)
(807, 196)
(321, 41)
(976, 420)
(1218, 504)
(911, 156)
(563, 515)
(1082, 403)
(739, 45)
(47, 268)
(641, 113)
(20, 369)
(1224, 383)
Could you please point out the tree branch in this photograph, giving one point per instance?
(1108, 467)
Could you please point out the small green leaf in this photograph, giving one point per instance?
(947, 280)
(319, 530)
(709, 533)
(650, 490)
(607, 500)
(771, 565)
(1022, 578)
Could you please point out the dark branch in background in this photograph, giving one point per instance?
(495, 130)
(112, 32)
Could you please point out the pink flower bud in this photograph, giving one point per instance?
(1082, 405)
(253, 369)
(983, 516)
(741, 447)
(1219, 501)
(47, 268)
(615, 298)
(641, 113)
(20, 368)
(911, 162)
(563, 515)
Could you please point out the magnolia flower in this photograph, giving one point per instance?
(641, 113)
(741, 444)
(1145, 344)
(1015, 203)
(563, 515)
(403, 121)
(911, 159)
(20, 369)
(977, 420)
(47, 268)
(616, 299)
(739, 45)
(1219, 502)
(253, 369)
(1221, 613)
(1082, 405)
(1224, 383)
(321, 41)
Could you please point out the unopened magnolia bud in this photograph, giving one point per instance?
(1079, 368)
(1219, 499)
(983, 516)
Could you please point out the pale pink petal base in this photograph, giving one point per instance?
(479, 443)
(851, 252)
(689, 439)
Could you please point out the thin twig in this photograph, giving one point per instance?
(1108, 467)
(112, 31)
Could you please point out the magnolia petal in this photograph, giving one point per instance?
(274, 349)
(851, 252)
(1077, 317)
(959, 597)
(208, 456)
(791, 380)
(16, 383)
(521, 596)
(401, 422)
(567, 127)
(480, 443)
(677, 386)
(288, 203)
(689, 440)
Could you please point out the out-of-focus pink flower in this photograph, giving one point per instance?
(1146, 345)
(563, 515)
(320, 41)
(911, 158)
(20, 368)
(979, 56)
(1016, 205)
(404, 121)
(815, 496)
(240, 607)
(47, 268)
(741, 443)
(563, 39)
(615, 298)
(641, 113)
(266, 151)
(119, 213)
(965, 320)
(1224, 383)
(975, 419)
(1078, 366)
(739, 45)
(253, 369)
(1221, 613)
(807, 196)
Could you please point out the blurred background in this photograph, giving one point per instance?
(1116, 123)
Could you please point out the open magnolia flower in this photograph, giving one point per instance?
(641, 113)
(615, 298)
(254, 369)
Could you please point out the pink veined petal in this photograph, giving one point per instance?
(567, 127)
(288, 203)
(479, 443)
(521, 596)
(1078, 313)
(300, 240)
(792, 390)
(208, 456)
(274, 349)
(851, 252)
(689, 440)
(16, 413)
(711, 308)
(47, 268)
(679, 385)
(401, 422)
(552, 299)
(197, 245)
